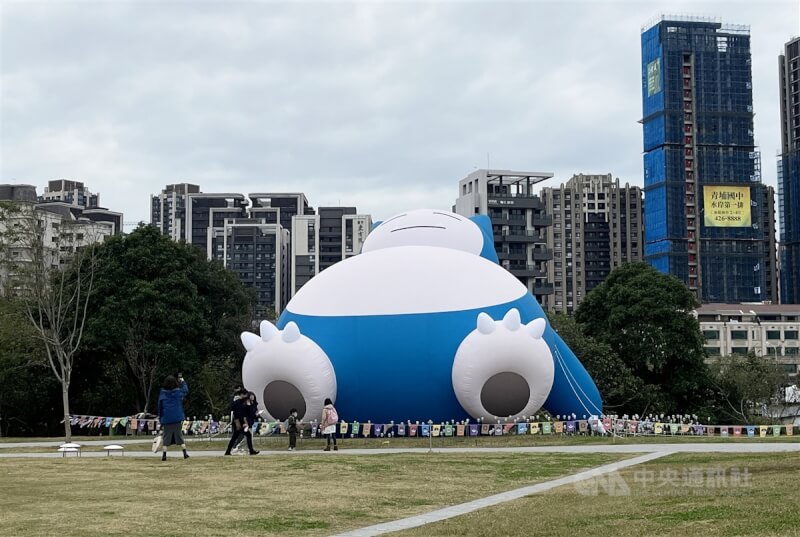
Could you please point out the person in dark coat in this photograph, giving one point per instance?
(240, 426)
(292, 429)
(170, 413)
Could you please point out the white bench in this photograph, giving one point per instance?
(114, 448)
(70, 448)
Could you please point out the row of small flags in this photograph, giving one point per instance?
(453, 429)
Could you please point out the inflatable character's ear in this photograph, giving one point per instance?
(484, 223)
(376, 224)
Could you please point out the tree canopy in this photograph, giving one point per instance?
(646, 320)
(161, 307)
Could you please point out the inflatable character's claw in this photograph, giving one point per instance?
(536, 328)
(268, 331)
(485, 323)
(249, 340)
(291, 332)
(512, 320)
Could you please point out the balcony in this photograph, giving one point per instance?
(526, 271)
(540, 289)
(542, 221)
(504, 255)
(519, 220)
(542, 254)
(526, 235)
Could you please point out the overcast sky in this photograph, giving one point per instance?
(381, 106)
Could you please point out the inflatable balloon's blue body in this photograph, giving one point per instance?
(423, 325)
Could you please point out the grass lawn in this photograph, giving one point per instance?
(254, 496)
(672, 495)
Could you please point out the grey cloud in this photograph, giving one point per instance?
(383, 106)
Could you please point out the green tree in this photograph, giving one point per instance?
(646, 318)
(24, 374)
(162, 307)
(744, 383)
(616, 382)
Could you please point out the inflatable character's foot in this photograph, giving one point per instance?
(286, 370)
(503, 368)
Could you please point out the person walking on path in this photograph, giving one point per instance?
(241, 411)
(170, 413)
(328, 424)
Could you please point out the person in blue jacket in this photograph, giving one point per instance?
(170, 413)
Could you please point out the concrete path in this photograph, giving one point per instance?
(468, 507)
(700, 447)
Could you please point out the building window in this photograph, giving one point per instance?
(739, 334)
(711, 334)
(712, 351)
(739, 350)
(790, 334)
(791, 351)
(773, 334)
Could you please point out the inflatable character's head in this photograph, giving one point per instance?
(429, 227)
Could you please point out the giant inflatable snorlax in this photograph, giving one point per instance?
(423, 324)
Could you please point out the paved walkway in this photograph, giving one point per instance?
(468, 507)
(700, 447)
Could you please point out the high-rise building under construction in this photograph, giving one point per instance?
(708, 218)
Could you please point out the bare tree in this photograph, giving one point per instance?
(143, 360)
(48, 262)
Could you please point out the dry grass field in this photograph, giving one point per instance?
(253, 496)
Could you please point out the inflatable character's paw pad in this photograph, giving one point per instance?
(503, 368)
(286, 370)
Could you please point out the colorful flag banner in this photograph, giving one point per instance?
(473, 429)
(460, 429)
(343, 427)
(367, 429)
(673, 428)
(571, 427)
(710, 430)
(412, 430)
(547, 427)
(632, 426)
(448, 430)
(436, 429)
(558, 426)
(762, 431)
(425, 429)
(401, 429)
(751, 431)
(378, 430)
(522, 428)
(737, 431)
(789, 430)
(776, 430)
(659, 428)
(356, 429)
(507, 427)
(583, 426)
(485, 429)
(723, 431)
(534, 428)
